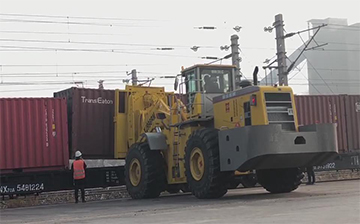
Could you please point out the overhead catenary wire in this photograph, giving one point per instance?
(319, 75)
(77, 23)
(343, 43)
(84, 72)
(98, 43)
(71, 72)
(95, 50)
(148, 45)
(28, 90)
(310, 83)
(314, 67)
(76, 17)
(62, 33)
(77, 65)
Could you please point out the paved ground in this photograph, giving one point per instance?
(329, 202)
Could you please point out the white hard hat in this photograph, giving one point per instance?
(78, 154)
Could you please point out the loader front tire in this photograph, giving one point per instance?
(202, 165)
(144, 172)
(280, 180)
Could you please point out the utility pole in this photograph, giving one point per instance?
(235, 58)
(280, 48)
(101, 84)
(134, 78)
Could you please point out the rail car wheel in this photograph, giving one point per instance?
(173, 188)
(202, 163)
(144, 172)
(249, 180)
(234, 183)
(280, 180)
(185, 188)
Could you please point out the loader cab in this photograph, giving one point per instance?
(206, 81)
(211, 80)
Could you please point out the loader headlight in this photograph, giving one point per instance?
(253, 100)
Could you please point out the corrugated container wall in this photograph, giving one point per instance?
(91, 121)
(352, 105)
(331, 109)
(33, 134)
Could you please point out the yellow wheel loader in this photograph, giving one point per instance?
(196, 140)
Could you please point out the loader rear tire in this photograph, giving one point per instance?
(144, 172)
(280, 180)
(202, 165)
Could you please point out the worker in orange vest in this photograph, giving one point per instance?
(78, 168)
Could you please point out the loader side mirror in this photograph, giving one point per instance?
(176, 83)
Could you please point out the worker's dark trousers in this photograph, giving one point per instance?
(79, 184)
(311, 177)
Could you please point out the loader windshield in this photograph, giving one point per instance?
(215, 80)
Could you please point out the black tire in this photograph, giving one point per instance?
(213, 183)
(280, 180)
(152, 180)
(249, 180)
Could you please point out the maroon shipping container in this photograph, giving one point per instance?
(33, 134)
(91, 121)
(339, 109)
(352, 105)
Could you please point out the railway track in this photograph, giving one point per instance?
(60, 197)
(98, 194)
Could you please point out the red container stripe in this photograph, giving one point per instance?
(33, 134)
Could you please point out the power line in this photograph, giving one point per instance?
(96, 50)
(319, 74)
(74, 17)
(314, 67)
(28, 90)
(62, 33)
(77, 65)
(84, 72)
(334, 80)
(335, 69)
(76, 23)
(299, 70)
(38, 83)
(81, 74)
(21, 48)
(95, 43)
(309, 82)
(343, 43)
(145, 45)
(74, 72)
(319, 50)
(331, 84)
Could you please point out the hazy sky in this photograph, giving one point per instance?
(54, 43)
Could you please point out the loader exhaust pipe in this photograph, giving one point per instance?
(255, 78)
